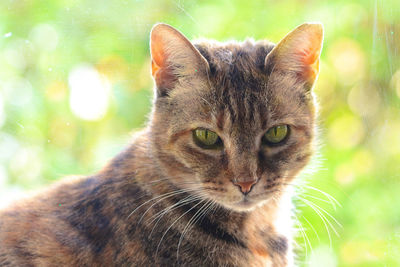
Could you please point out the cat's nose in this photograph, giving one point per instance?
(246, 186)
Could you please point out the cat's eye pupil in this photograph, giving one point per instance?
(276, 135)
(206, 138)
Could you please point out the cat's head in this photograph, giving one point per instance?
(234, 120)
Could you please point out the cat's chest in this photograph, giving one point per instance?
(155, 235)
(208, 244)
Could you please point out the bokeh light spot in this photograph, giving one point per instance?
(344, 173)
(364, 100)
(363, 161)
(346, 132)
(12, 194)
(19, 90)
(8, 146)
(322, 254)
(44, 36)
(89, 93)
(56, 90)
(389, 138)
(348, 59)
(26, 164)
(361, 164)
(14, 55)
(113, 67)
(62, 133)
(361, 252)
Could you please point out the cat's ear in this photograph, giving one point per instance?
(298, 53)
(173, 58)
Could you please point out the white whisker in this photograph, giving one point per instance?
(158, 216)
(304, 234)
(168, 194)
(328, 196)
(166, 231)
(192, 221)
(312, 227)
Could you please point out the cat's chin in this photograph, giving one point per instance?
(245, 205)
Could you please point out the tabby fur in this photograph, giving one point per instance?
(164, 201)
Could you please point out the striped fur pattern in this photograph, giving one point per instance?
(165, 201)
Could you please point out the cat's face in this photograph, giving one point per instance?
(236, 120)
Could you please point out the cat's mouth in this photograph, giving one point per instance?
(242, 202)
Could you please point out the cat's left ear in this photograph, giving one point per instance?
(173, 59)
(298, 53)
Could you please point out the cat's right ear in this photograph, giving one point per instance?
(173, 58)
(298, 53)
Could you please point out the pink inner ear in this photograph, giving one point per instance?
(312, 71)
(312, 52)
(162, 73)
(154, 68)
(157, 54)
(310, 59)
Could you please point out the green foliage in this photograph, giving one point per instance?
(50, 125)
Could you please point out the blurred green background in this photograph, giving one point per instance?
(75, 82)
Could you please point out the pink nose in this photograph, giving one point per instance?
(245, 187)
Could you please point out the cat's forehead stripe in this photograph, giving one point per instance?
(243, 93)
(239, 83)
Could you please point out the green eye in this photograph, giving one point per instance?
(276, 134)
(206, 139)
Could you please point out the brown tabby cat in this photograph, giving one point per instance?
(206, 183)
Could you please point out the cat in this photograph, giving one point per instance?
(206, 183)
